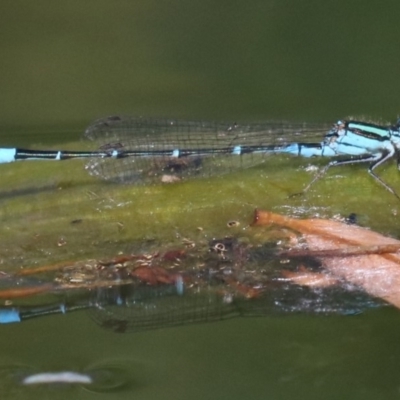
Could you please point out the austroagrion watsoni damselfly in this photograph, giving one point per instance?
(136, 149)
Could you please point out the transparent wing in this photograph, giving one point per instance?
(146, 308)
(204, 148)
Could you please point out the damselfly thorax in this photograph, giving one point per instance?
(361, 142)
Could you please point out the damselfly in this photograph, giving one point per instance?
(135, 149)
(131, 308)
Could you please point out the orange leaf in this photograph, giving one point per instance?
(378, 274)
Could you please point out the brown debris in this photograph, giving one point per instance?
(377, 272)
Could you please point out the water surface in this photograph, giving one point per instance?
(66, 65)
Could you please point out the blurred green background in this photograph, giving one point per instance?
(67, 63)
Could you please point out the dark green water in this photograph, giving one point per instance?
(67, 63)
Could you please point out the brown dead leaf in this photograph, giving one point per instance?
(304, 277)
(378, 273)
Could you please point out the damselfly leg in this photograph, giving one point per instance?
(376, 160)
